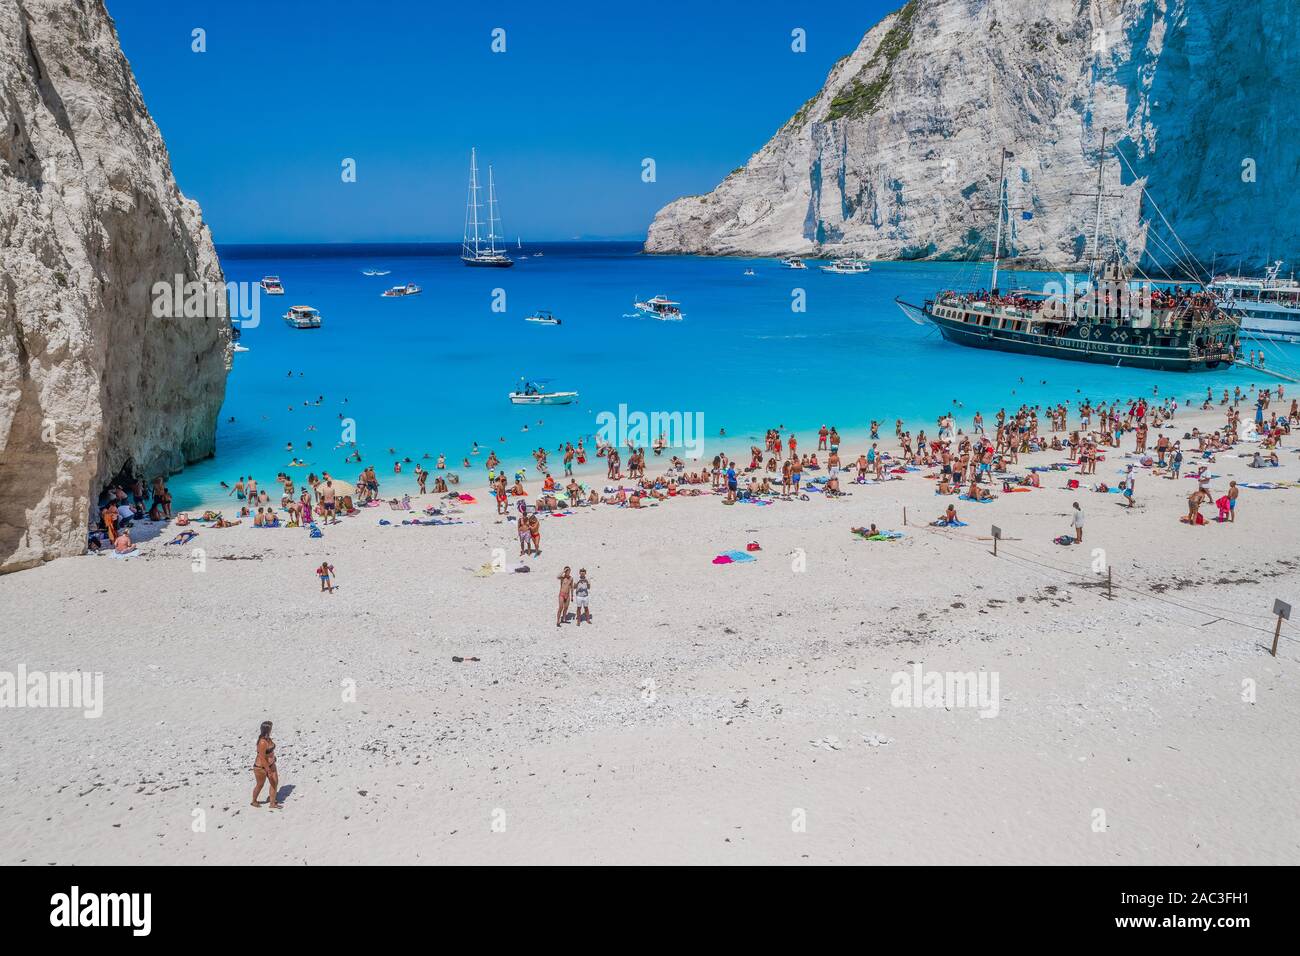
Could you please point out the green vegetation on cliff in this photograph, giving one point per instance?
(860, 98)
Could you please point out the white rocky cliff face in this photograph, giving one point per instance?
(90, 218)
(898, 155)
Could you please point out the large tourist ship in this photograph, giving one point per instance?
(1269, 308)
(1110, 323)
(1109, 319)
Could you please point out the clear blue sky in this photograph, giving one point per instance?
(258, 125)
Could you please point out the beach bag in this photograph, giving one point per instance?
(1072, 483)
(1064, 539)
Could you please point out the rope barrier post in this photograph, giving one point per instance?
(997, 533)
(1110, 595)
(1283, 612)
(904, 516)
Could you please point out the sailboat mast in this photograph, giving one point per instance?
(493, 218)
(473, 199)
(997, 242)
(1096, 224)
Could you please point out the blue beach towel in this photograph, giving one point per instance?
(739, 556)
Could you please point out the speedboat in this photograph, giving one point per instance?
(375, 272)
(272, 285)
(398, 291)
(660, 307)
(531, 392)
(303, 317)
(847, 267)
(750, 272)
(793, 262)
(543, 317)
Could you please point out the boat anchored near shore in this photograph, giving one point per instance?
(303, 317)
(1106, 320)
(532, 392)
(847, 267)
(542, 317)
(660, 307)
(398, 291)
(1269, 308)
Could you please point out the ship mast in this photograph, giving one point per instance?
(492, 216)
(471, 210)
(1002, 195)
(1096, 223)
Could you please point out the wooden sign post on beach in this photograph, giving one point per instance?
(997, 533)
(1283, 612)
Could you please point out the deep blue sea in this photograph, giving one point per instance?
(430, 373)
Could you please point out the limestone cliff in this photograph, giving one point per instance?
(898, 155)
(90, 219)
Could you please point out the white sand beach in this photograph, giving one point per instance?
(709, 714)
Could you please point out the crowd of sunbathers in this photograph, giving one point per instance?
(118, 509)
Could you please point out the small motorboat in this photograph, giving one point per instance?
(303, 317)
(750, 272)
(794, 262)
(543, 317)
(397, 291)
(272, 285)
(530, 392)
(660, 307)
(375, 272)
(241, 348)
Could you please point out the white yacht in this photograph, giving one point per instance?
(303, 317)
(398, 291)
(794, 262)
(272, 285)
(542, 317)
(1269, 308)
(847, 267)
(660, 307)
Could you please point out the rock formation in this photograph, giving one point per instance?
(898, 155)
(91, 380)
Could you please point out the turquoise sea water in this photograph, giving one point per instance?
(430, 373)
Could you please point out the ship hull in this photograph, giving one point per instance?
(488, 263)
(1076, 348)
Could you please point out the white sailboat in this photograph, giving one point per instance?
(473, 251)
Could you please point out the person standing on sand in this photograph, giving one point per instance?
(535, 532)
(1077, 522)
(566, 593)
(581, 592)
(326, 574)
(264, 770)
(521, 526)
(1233, 492)
(327, 496)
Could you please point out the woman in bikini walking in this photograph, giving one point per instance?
(264, 766)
